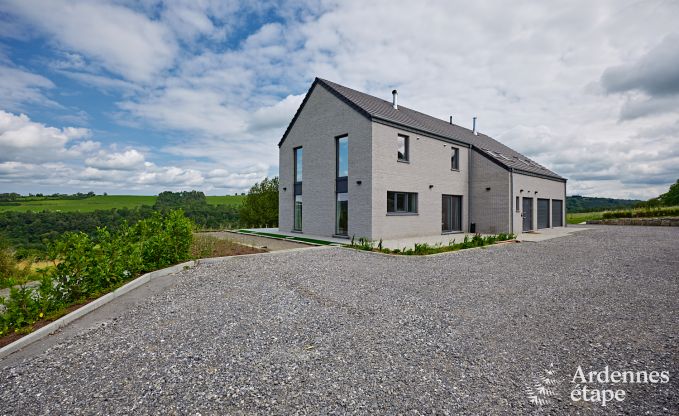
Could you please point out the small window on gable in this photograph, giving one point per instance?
(517, 204)
(402, 142)
(455, 159)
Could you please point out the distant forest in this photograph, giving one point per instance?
(577, 203)
(31, 232)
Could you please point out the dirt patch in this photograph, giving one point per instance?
(266, 243)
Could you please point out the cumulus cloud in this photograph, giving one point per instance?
(20, 88)
(127, 43)
(127, 160)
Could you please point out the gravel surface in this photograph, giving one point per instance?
(332, 331)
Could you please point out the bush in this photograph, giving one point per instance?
(643, 213)
(90, 266)
(260, 207)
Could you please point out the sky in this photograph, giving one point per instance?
(137, 97)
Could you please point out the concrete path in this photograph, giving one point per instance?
(270, 244)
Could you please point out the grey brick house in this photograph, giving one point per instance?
(355, 165)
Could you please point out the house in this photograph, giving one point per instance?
(355, 165)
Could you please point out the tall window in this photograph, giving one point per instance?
(518, 208)
(297, 223)
(297, 226)
(403, 150)
(455, 159)
(451, 219)
(298, 164)
(341, 187)
(401, 202)
(342, 157)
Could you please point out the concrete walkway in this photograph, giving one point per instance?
(443, 239)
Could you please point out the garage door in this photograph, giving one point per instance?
(557, 213)
(543, 213)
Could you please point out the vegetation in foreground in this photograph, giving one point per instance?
(421, 249)
(88, 267)
(205, 246)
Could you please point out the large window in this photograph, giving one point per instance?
(298, 164)
(298, 213)
(455, 159)
(451, 214)
(342, 214)
(341, 187)
(297, 223)
(403, 150)
(401, 202)
(342, 156)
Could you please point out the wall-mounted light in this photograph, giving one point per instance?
(521, 190)
(431, 186)
(488, 188)
(359, 182)
(285, 189)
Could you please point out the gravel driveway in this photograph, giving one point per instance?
(332, 331)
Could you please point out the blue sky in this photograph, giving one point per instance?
(137, 97)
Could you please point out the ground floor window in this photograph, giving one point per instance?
(401, 202)
(297, 226)
(342, 214)
(451, 213)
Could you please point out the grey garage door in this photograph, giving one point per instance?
(557, 213)
(543, 213)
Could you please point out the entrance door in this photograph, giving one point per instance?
(451, 213)
(527, 214)
(543, 213)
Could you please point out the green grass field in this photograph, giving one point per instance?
(105, 202)
(579, 217)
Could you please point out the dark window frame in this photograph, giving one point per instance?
(294, 158)
(518, 204)
(406, 146)
(337, 155)
(410, 203)
(455, 159)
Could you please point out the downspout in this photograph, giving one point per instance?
(511, 200)
(469, 187)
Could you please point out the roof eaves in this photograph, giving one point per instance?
(415, 130)
(539, 175)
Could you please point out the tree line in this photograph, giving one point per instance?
(30, 233)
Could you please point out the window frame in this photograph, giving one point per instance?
(406, 145)
(410, 203)
(455, 159)
(337, 155)
(518, 204)
(295, 164)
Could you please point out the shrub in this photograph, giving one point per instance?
(90, 266)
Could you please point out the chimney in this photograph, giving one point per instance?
(395, 102)
(451, 119)
(474, 127)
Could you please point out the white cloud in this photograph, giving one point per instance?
(128, 160)
(19, 87)
(125, 42)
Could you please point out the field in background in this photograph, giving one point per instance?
(104, 202)
(658, 212)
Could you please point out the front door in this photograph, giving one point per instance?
(527, 214)
(451, 213)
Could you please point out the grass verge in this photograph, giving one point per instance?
(287, 237)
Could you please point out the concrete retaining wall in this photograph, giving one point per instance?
(666, 222)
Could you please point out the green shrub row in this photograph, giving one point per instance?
(88, 267)
(423, 248)
(643, 213)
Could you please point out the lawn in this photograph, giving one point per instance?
(577, 218)
(104, 203)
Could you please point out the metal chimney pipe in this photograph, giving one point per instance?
(395, 101)
(474, 127)
(451, 119)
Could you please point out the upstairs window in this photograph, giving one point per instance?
(455, 159)
(403, 155)
(298, 164)
(342, 157)
(402, 202)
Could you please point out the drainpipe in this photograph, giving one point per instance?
(511, 200)
(469, 187)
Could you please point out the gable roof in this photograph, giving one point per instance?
(378, 109)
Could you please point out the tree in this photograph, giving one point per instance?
(260, 207)
(671, 197)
